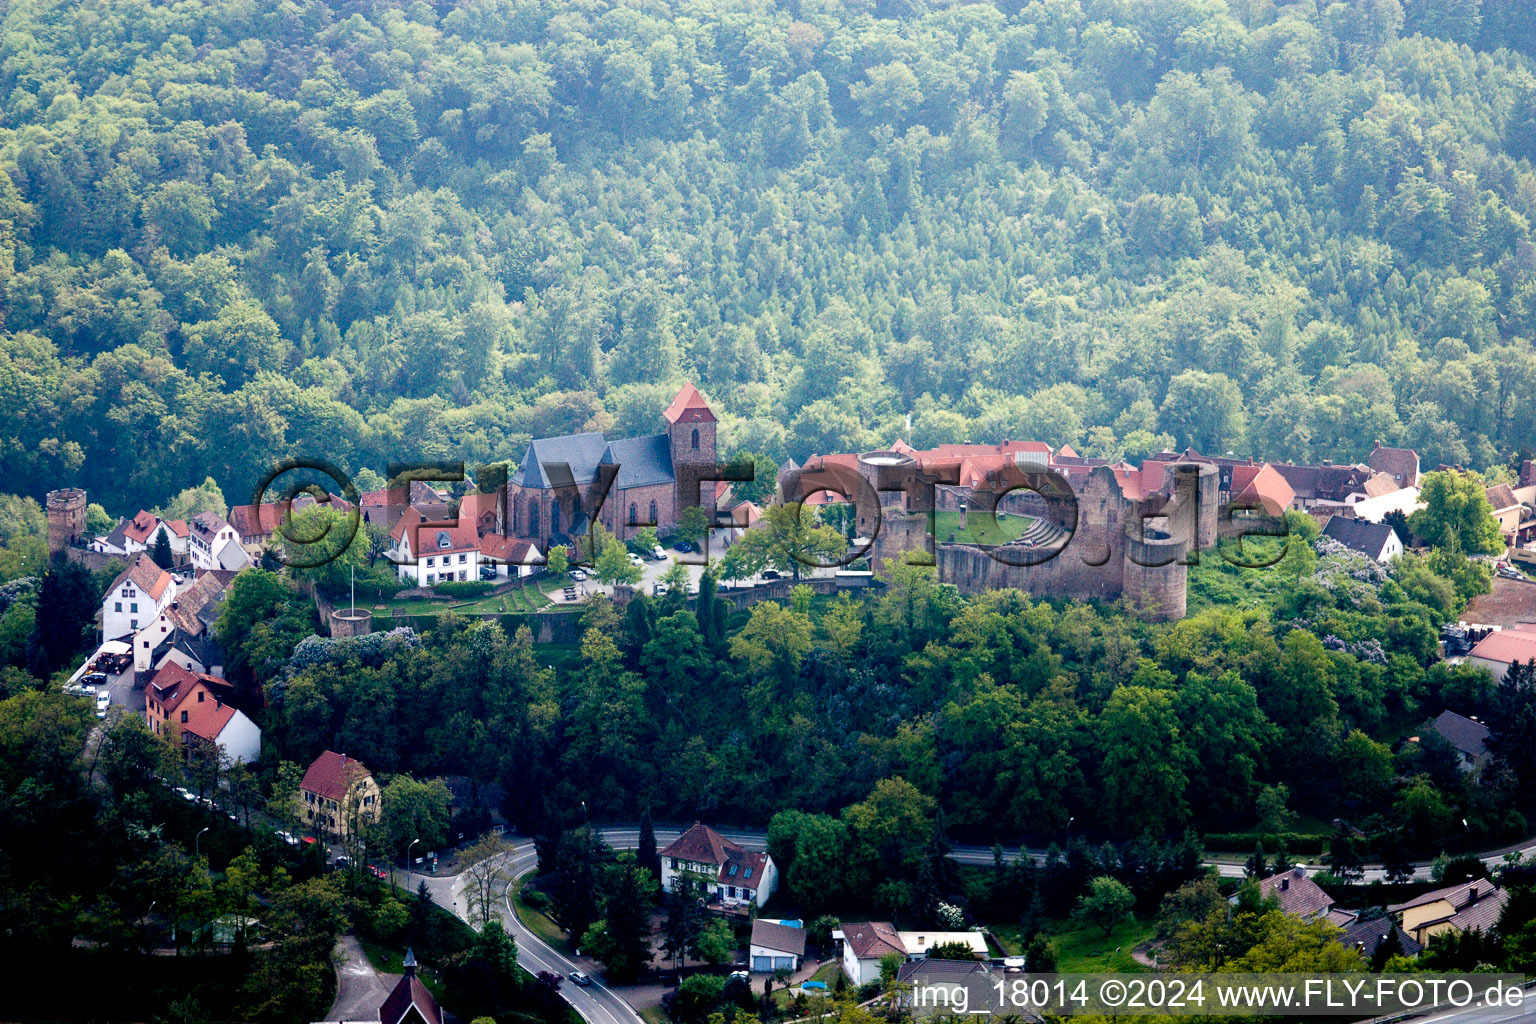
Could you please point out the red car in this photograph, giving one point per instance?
(377, 872)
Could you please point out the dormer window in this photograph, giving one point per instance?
(443, 541)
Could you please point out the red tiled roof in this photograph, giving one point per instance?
(1262, 484)
(689, 407)
(1517, 644)
(331, 775)
(1502, 496)
(145, 575)
(208, 718)
(171, 684)
(701, 845)
(141, 526)
(871, 940)
(1400, 463)
(255, 520)
(506, 549)
(177, 526)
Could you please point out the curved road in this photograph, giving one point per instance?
(599, 1004)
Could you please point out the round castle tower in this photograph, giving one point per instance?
(66, 518)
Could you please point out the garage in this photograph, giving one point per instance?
(776, 946)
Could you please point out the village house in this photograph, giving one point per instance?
(182, 631)
(1367, 936)
(647, 490)
(338, 794)
(1505, 647)
(1376, 541)
(776, 945)
(735, 877)
(1467, 736)
(919, 944)
(1300, 897)
(131, 536)
(383, 508)
(865, 944)
(138, 595)
(1469, 907)
(188, 707)
(213, 544)
(1515, 510)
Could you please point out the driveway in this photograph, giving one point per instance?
(360, 990)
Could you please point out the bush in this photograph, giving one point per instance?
(465, 588)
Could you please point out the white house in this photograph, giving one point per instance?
(509, 556)
(734, 876)
(918, 944)
(427, 553)
(1503, 648)
(865, 944)
(222, 724)
(213, 544)
(1377, 541)
(136, 597)
(776, 945)
(185, 622)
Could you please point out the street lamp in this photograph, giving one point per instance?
(408, 846)
(197, 842)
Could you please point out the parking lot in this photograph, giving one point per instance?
(654, 570)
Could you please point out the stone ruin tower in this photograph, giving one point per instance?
(66, 518)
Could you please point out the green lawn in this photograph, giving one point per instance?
(653, 1015)
(538, 922)
(827, 972)
(1086, 949)
(978, 531)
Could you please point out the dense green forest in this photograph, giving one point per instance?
(231, 232)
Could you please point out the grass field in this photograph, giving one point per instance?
(782, 997)
(978, 531)
(538, 922)
(1085, 949)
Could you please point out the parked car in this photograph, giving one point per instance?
(94, 678)
(487, 572)
(771, 574)
(377, 872)
(287, 837)
(693, 588)
(79, 690)
(578, 575)
(683, 545)
(636, 560)
(580, 978)
(659, 553)
(660, 589)
(342, 861)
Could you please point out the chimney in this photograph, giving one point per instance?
(1472, 893)
(1285, 883)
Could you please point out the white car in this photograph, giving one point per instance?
(578, 575)
(660, 589)
(636, 560)
(103, 701)
(659, 553)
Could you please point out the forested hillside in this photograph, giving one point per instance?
(234, 231)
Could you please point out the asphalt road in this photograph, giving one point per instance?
(599, 1004)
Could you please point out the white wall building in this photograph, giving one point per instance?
(730, 874)
(135, 598)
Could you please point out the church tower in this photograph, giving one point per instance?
(691, 430)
